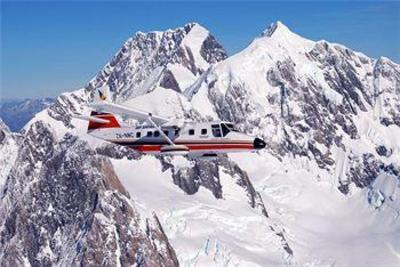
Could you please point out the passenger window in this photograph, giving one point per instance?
(138, 134)
(191, 132)
(156, 134)
(149, 134)
(203, 131)
(216, 130)
(166, 132)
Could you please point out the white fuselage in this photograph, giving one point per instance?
(201, 138)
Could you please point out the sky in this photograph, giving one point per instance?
(52, 47)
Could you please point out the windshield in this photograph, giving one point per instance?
(231, 127)
(227, 127)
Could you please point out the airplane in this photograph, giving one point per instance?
(165, 136)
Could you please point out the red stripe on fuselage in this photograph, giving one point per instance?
(156, 148)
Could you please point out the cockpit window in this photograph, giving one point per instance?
(227, 127)
(231, 127)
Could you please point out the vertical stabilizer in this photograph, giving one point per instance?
(110, 121)
(102, 94)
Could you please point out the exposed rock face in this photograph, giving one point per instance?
(117, 152)
(71, 207)
(206, 173)
(173, 59)
(198, 173)
(161, 59)
(212, 51)
(63, 204)
(8, 152)
(307, 99)
(387, 90)
(64, 106)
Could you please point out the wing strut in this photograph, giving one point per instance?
(159, 129)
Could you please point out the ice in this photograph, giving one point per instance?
(235, 233)
(322, 223)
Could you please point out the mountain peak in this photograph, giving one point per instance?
(274, 28)
(279, 35)
(185, 28)
(191, 25)
(159, 58)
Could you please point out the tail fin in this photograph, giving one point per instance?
(103, 94)
(112, 121)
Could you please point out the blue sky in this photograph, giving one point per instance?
(51, 47)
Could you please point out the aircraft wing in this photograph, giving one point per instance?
(127, 111)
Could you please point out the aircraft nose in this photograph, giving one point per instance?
(259, 143)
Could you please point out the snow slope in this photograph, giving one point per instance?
(325, 191)
(56, 209)
(203, 230)
(323, 226)
(319, 106)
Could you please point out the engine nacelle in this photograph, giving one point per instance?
(180, 150)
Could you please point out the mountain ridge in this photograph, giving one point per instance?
(328, 143)
(17, 112)
(158, 56)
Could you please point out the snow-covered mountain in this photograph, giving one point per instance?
(61, 199)
(9, 149)
(311, 100)
(16, 112)
(172, 59)
(329, 116)
(325, 192)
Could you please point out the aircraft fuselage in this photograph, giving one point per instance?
(200, 138)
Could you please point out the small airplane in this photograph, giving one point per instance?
(164, 136)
